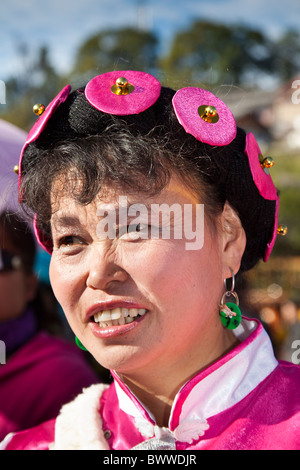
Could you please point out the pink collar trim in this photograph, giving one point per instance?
(216, 388)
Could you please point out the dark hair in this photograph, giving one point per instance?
(139, 153)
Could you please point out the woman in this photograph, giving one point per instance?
(153, 202)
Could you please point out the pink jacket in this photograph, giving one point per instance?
(38, 379)
(247, 400)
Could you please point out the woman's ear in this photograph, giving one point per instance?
(234, 240)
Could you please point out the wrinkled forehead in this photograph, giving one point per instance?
(115, 199)
(68, 186)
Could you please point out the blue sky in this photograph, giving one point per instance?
(62, 25)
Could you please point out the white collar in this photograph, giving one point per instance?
(210, 392)
(213, 390)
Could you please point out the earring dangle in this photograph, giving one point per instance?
(230, 312)
(79, 344)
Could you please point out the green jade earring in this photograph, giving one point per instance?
(79, 344)
(230, 312)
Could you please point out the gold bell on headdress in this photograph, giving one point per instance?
(208, 113)
(122, 87)
(267, 162)
(282, 229)
(16, 169)
(38, 109)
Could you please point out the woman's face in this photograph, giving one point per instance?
(167, 294)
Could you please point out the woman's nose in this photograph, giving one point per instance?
(104, 271)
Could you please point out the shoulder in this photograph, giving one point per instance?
(69, 430)
(43, 346)
(281, 385)
(279, 393)
(287, 376)
(53, 354)
(50, 346)
(37, 438)
(288, 372)
(85, 412)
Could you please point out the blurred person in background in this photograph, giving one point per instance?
(40, 371)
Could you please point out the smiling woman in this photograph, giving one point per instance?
(128, 166)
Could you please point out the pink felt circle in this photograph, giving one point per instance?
(34, 133)
(42, 121)
(186, 103)
(262, 181)
(146, 92)
(44, 243)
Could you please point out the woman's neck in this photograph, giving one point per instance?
(158, 388)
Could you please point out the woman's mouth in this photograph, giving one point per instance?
(117, 316)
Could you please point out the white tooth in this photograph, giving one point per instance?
(129, 319)
(105, 315)
(97, 317)
(118, 316)
(125, 312)
(116, 313)
(133, 312)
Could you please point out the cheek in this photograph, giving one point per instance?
(65, 282)
(174, 275)
(163, 269)
(152, 261)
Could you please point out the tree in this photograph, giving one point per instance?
(287, 55)
(117, 49)
(215, 53)
(37, 81)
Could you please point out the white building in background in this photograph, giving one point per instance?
(273, 116)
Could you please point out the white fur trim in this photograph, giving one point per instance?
(6, 441)
(79, 424)
(145, 427)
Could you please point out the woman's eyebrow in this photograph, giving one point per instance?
(62, 221)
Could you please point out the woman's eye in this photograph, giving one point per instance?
(69, 241)
(135, 231)
(137, 228)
